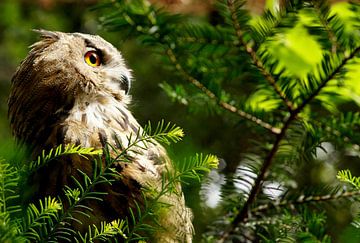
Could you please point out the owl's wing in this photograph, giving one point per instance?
(37, 104)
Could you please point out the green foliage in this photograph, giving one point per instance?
(192, 168)
(60, 151)
(9, 178)
(292, 72)
(49, 221)
(346, 176)
(163, 133)
(106, 231)
(36, 217)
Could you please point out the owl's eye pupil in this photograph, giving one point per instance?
(92, 58)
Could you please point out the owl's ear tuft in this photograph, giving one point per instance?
(46, 34)
(47, 39)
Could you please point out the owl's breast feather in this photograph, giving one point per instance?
(91, 123)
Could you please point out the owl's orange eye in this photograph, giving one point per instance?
(92, 58)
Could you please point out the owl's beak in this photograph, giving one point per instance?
(125, 84)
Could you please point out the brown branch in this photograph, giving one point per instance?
(222, 104)
(254, 58)
(304, 200)
(243, 214)
(191, 40)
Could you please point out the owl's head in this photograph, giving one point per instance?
(59, 70)
(90, 62)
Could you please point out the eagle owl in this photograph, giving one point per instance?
(72, 88)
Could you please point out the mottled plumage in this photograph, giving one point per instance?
(61, 95)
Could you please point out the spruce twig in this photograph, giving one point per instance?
(325, 23)
(222, 104)
(243, 214)
(326, 80)
(254, 58)
(205, 90)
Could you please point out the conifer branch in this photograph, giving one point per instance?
(333, 131)
(48, 156)
(197, 40)
(312, 88)
(258, 182)
(346, 176)
(105, 233)
(243, 214)
(306, 199)
(325, 81)
(37, 217)
(274, 21)
(211, 95)
(324, 21)
(254, 58)
(192, 168)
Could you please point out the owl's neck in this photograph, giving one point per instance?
(98, 119)
(106, 120)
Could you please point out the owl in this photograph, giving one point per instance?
(73, 88)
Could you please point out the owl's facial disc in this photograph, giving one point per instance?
(105, 64)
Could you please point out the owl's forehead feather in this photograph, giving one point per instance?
(81, 40)
(95, 41)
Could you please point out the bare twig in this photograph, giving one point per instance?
(254, 58)
(211, 95)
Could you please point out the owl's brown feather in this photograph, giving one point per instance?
(56, 98)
